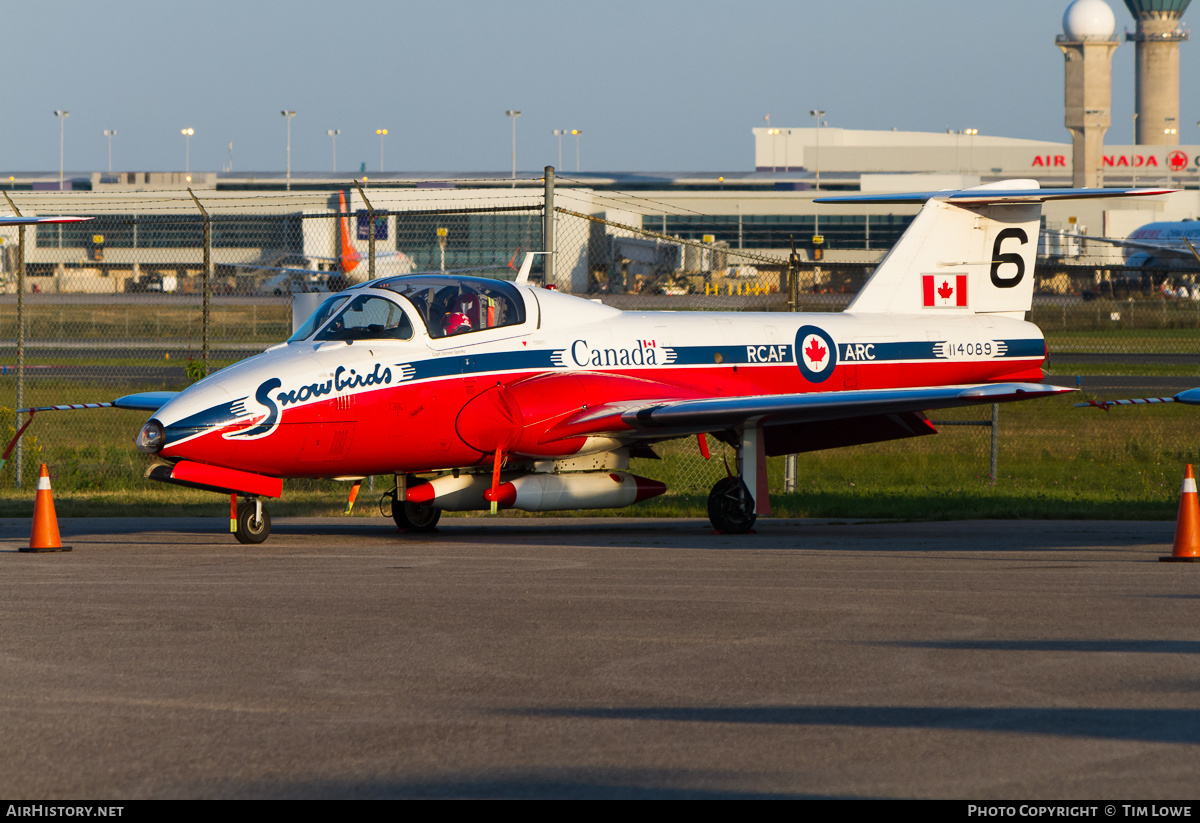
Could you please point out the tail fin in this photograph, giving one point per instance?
(970, 251)
(348, 257)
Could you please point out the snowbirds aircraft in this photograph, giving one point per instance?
(479, 393)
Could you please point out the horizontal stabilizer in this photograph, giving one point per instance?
(1007, 191)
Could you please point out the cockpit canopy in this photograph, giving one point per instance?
(452, 305)
(448, 305)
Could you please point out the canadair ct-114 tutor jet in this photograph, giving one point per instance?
(478, 393)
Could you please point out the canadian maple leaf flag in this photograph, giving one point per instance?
(947, 290)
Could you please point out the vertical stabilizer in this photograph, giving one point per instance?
(962, 259)
(970, 251)
(348, 256)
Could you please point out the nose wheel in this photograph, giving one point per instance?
(731, 507)
(253, 522)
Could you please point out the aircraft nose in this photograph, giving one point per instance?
(194, 412)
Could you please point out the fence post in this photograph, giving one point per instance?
(207, 282)
(793, 292)
(370, 232)
(548, 266)
(995, 440)
(17, 473)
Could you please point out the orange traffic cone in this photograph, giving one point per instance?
(1187, 524)
(45, 523)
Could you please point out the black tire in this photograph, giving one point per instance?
(730, 506)
(248, 529)
(415, 517)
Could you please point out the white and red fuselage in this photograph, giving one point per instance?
(563, 381)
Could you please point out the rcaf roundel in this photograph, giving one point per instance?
(944, 290)
(816, 353)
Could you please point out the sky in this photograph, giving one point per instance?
(654, 85)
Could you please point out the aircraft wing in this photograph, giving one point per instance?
(815, 412)
(1191, 397)
(710, 414)
(31, 221)
(145, 401)
(1186, 251)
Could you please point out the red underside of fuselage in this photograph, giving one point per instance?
(417, 427)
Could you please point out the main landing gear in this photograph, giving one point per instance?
(413, 517)
(253, 521)
(732, 508)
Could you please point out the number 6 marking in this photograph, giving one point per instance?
(999, 259)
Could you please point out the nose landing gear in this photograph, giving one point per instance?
(253, 521)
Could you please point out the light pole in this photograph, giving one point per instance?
(970, 148)
(1133, 168)
(559, 134)
(62, 116)
(817, 113)
(1169, 133)
(288, 115)
(382, 134)
(773, 133)
(110, 134)
(187, 149)
(333, 133)
(767, 117)
(956, 133)
(514, 114)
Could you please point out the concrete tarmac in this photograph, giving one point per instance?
(604, 658)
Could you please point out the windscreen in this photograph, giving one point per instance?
(317, 318)
(368, 318)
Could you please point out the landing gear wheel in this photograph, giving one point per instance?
(730, 506)
(415, 517)
(250, 530)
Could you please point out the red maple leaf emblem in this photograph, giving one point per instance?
(815, 352)
(946, 290)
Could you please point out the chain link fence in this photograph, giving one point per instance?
(158, 290)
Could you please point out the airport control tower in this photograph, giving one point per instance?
(1159, 33)
(1087, 43)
